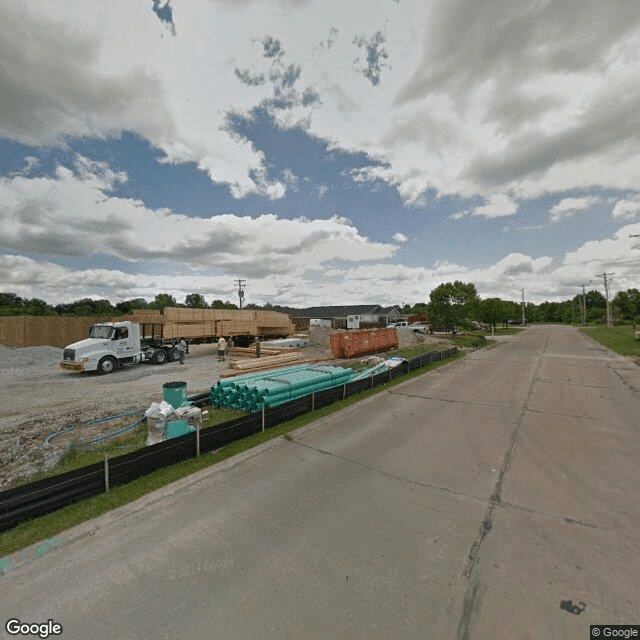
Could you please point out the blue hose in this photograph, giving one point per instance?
(68, 428)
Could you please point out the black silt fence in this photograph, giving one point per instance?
(275, 415)
(45, 496)
(329, 396)
(213, 438)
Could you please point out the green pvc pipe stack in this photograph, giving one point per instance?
(274, 388)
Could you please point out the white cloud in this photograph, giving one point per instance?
(321, 284)
(496, 206)
(548, 100)
(53, 87)
(400, 237)
(71, 215)
(568, 207)
(626, 209)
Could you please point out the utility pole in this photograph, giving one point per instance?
(584, 303)
(241, 285)
(606, 292)
(523, 307)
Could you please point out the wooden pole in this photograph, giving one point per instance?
(198, 439)
(106, 472)
(263, 417)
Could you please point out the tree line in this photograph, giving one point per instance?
(11, 304)
(451, 303)
(458, 303)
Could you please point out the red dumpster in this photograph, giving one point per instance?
(357, 343)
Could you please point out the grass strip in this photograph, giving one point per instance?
(620, 338)
(32, 531)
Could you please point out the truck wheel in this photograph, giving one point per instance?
(173, 354)
(107, 365)
(159, 357)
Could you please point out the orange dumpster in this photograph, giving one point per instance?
(357, 343)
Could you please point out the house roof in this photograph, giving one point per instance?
(388, 310)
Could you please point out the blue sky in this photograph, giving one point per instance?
(327, 152)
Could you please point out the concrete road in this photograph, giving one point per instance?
(496, 497)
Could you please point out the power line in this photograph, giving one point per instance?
(606, 291)
(241, 285)
(584, 302)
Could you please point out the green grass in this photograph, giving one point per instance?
(415, 350)
(38, 529)
(620, 339)
(469, 340)
(221, 415)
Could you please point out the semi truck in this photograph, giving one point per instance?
(153, 338)
(111, 345)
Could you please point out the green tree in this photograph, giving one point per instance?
(453, 303)
(195, 301)
(628, 302)
(10, 300)
(37, 307)
(103, 308)
(493, 310)
(127, 306)
(163, 300)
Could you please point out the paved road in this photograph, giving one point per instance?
(469, 503)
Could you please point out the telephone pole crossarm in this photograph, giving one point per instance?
(241, 284)
(604, 276)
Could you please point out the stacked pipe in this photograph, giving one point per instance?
(273, 388)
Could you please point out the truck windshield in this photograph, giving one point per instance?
(101, 331)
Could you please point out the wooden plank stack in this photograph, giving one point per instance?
(263, 364)
(55, 331)
(208, 323)
(250, 352)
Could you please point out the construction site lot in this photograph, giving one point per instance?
(39, 399)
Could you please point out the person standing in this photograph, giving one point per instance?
(257, 347)
(182, 349)
(222, 347)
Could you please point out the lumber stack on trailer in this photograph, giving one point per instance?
(198, 323)
(207, 323)
(148, 315)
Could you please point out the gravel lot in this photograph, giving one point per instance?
(38, 398)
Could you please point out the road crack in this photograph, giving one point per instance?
(481, 404)
(388, 474)
(487, 522)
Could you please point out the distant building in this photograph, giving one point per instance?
(343, 317)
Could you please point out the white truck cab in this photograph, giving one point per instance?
(111, 345)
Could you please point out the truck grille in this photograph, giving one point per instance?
(69, 354)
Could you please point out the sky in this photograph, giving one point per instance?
(325, 151)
